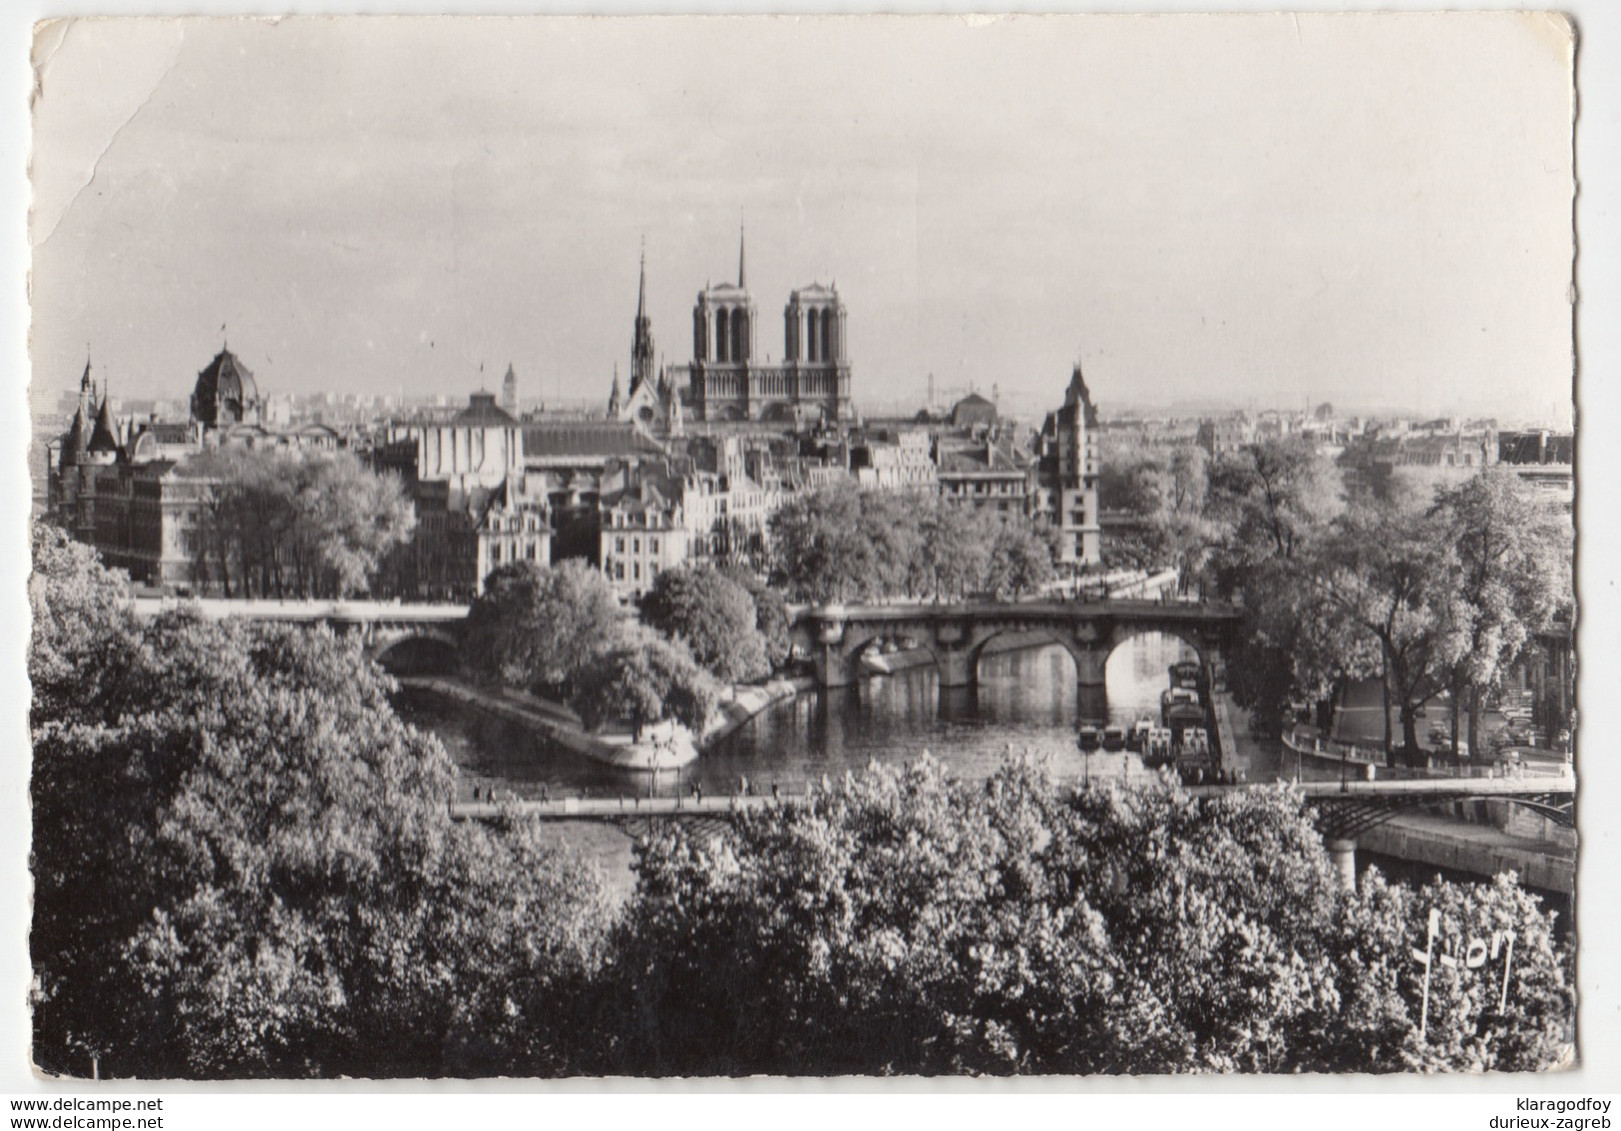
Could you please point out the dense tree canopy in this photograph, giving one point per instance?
(1384, 571)
(714, 616)
(244, 863)
(820, 552)
(536, 627)
(644, 678)
(841, 544)
(1268, 506)
(1512, 558)
(1156, 501)
(902, 922)
(1428, 591)
(275, 523)
(1271, 500)
(771, 617)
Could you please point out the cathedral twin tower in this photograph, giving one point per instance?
(726, 381)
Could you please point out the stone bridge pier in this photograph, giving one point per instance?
(957, 636)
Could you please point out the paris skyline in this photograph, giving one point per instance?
(1254, 209)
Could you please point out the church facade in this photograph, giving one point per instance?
(727, 379)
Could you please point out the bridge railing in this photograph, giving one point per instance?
(216, 608)
(712, 805)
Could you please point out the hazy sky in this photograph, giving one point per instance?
(1363, 209)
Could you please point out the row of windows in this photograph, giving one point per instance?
(617, 571)
(1016, 489)
(499, 553)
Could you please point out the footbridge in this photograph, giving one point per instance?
(1343, 810)
(832, 636)
(383, 625)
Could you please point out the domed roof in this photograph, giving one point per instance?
(225, 391)
(971, 410)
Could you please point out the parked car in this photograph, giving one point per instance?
(1518, 734)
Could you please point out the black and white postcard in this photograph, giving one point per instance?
(818, 547)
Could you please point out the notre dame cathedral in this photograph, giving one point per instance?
(726, 381)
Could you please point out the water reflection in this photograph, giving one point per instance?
(1026, 702)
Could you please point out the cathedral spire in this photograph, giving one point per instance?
(641, 287)
(641, 342)
(614, 403)
(742, 274)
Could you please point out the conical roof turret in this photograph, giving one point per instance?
(102, 438)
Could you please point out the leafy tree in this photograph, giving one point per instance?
(1269, 500)
(1386, 572)
(771, 617)
(645, 678)
(904, 922)
(278, 523)
(1513, 573)
(819, 552)
(841, 544)
(513, 937)
(79, 607)
(1500, 993)
(956, 551)
(891, 524)
(1267, 506)
(244, 862)
(714, 616)
(1132, 482)
(347, 520)
(854, 934)
(537, 626)
(1021, 559)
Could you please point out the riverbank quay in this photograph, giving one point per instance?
(1542, 855)
(552, 720)
(737, 706)
(1481, 850)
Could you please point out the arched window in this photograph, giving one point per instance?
(811, 336)
(721, 336)
(740, 335)
(827, 335)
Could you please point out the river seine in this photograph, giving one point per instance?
(1026, 702)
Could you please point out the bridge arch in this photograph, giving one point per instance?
(420, 651)
(1203, 648)
(856, 640)
(1078, 653)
